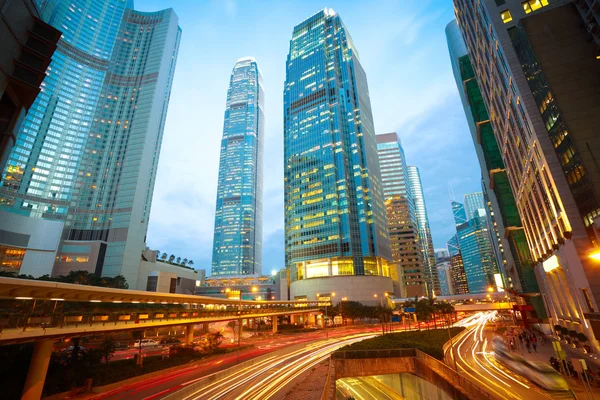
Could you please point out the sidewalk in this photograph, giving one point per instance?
(545, 351)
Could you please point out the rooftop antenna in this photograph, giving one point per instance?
(450, 191)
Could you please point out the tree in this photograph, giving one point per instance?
(171, 258)
(352, 310)
(213, 340)
(108, 347)
(185, 260)
(178, 260)
(191, 262)
(424, 309)
(164, 256)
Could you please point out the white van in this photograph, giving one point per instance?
(146, 343)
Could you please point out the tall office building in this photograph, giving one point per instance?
(431, 277)
(336, 235)
(514, 258)
(452, 245)
(237, 244)
(544, 126)
(83, 168)
(445, 277)
(458, 210)
(407, 269)
(476, 248)
(458, 276)
(474, 202)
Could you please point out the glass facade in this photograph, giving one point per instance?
(237, 244)
(335, 218)
(39, 177)
(402, 220)
(474, 202)
(516, 265)
(88, 150)
(416, 188)
(457, 275)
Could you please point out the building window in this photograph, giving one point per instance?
(173, 286)
(506, 16)
(500, 3)
(11, 259)
(588, 301)
(152, 283)
(533, 5)
(70, 259)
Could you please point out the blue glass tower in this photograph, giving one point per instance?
(474, 202)
(335, 218)
(237, 244)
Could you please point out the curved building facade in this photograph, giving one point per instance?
(335, 218)
(88, 150)
(237, 243)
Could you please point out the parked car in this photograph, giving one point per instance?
(145, 343)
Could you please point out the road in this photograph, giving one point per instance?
(365, 388)
(273, 375)
(156, 388)
(475, 360)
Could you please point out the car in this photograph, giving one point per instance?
(145, 343)
(71, 348)
(170, 340)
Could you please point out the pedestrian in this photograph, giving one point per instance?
(528, 345)
(534, 344)
(512, 345)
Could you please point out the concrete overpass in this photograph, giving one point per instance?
(41, 312)
(468, 302)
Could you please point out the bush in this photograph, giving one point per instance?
(564, 331)
(431, 342)
(573, 334)
(582, 338)
(557, 328)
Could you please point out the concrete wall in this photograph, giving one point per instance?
(353, 287)
(73, 249)
(39, 237)
(165, 272)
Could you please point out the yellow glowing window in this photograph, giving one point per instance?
(533, 5)
(506, 16)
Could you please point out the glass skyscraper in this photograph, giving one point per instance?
(427, 250)
(87, 153)
(237, 244)
(474, 202)
(407, 272)
(476, 248)
(335, 218)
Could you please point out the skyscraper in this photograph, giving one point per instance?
(335, 219)
(474, 202)
(515, 259)
(431, 276)
(457, 275)
(83, 168)
(476, 247)
(521, 53)
(237, 245)
(444, 275)
(402, 221)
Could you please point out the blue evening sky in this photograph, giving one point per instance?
(403, 50)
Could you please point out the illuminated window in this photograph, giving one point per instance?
(506, 16)
(533, 5)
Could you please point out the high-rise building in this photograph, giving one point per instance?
(457, 275)
(25, 54)
(474, 202)
(416, 187)
(458, 210)
(84, 164)
(336, 235)
(543, 123)
(237, 245)
(445, 277)
(440, 254)
(407, 267)
(452, 245)
(514, 258)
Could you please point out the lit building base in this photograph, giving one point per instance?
(361, 288)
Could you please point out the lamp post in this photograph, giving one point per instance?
(239, 327)
(325, 319)
(342, 308)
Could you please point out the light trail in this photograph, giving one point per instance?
(289, 366)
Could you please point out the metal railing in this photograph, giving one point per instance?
(62, 320)
(375, 353)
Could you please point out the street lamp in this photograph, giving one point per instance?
(240, 327)
(342, 308)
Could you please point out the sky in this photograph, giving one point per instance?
(402, 48)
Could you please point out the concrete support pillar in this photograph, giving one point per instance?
(38, 368)
(204, 327)
(189, 333)
(305, 318)
(275, 321)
